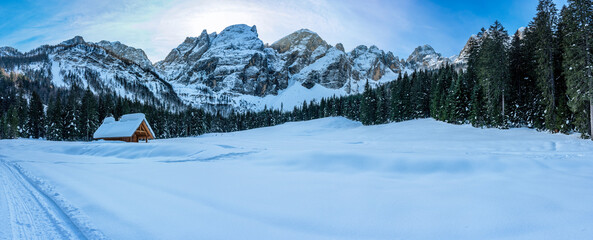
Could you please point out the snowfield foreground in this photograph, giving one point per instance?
(323, 179)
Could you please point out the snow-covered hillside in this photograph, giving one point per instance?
(102, 67)
(329, 178)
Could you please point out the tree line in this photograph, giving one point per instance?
(540, 77)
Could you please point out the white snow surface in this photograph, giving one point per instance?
(125, 127)
(329, 178)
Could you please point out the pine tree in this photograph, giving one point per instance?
(406, 104)
(493, 73)
(88, 120)
(396, 100)
(36, 121)
(22, 113)
(54, 114)
(13, 122)
(578, 61)
(382, 112)
(368, 105)
(68, 126)
(524, 95)
(564, 115)
(477, 111)
(544, 28)
(440, 91)
(457, 101)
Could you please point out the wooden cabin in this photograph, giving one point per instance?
(130, 128)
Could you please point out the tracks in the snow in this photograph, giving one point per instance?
(27, 213)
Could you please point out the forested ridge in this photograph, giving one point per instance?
(540, 77)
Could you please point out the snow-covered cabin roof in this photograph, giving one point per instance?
(125, 127)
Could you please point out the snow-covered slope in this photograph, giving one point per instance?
(111, 67)
(329, 178)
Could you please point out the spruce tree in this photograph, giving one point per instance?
(68, 126)
(36, 121)
(54, 114)
(381, 112)
(88, 120)
(367, 105)
(477, 107)
(13, 122)
(578, 61)
(22, 113)
(544, 28)
(525, 96)
(457, 101)
(493, 73)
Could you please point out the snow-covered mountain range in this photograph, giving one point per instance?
(232, 69)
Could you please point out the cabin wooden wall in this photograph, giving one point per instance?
(135, 137)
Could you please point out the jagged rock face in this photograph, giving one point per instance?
(300, 49)
(393, 63)
(136, 55)
(426, 58)
(332, 70)
(76, 62)
(182, 59)
(211, 69)
(74, 41)
(463, 56)
(303, 40)
(372, 63)
(340, 47)
(309, 60)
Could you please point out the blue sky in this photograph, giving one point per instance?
(157, 26)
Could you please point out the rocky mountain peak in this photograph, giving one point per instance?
(136, 55)
(521, 32)
(74, 41)
(421, 52)
(464, 54)
(303, 40)
(425, 58)
(238, 37)
(9, 51)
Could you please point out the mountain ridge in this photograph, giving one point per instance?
(228, 71)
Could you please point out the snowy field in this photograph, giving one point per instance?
(323, 179)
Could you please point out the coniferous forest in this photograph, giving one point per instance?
(540, 77)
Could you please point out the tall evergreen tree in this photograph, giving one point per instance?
(68, 126)
(578, 61)
(457, 101)
(22, 113)
(493, 73)
(368, 105)
(53, 123)
(88, 120)
(382, 111)
(543, 28)
(477, 111)
(525, 96)
(36, 121)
